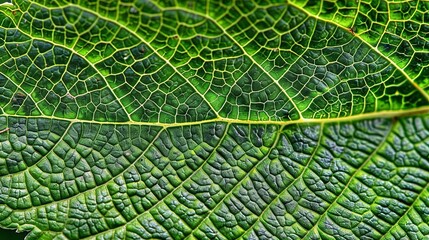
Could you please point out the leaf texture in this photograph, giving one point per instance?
(214, 119)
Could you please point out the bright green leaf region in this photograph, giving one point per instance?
(173, 119)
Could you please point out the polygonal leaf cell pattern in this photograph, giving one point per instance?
(173, 119)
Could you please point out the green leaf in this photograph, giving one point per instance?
(214, 119)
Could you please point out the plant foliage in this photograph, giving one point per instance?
(214, 119)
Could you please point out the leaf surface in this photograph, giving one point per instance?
(214, 120)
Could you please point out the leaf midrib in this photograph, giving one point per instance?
(383, 114)
(364, 116)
